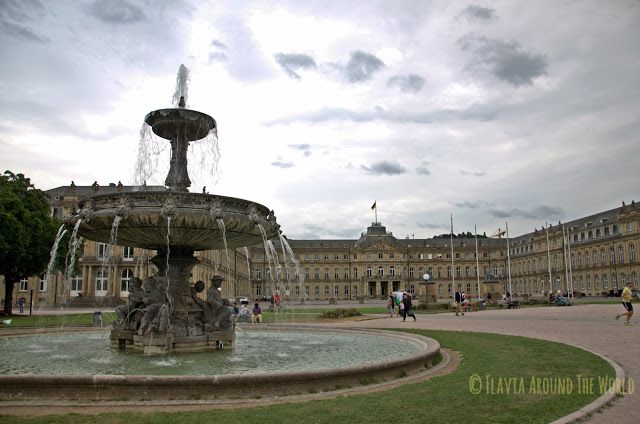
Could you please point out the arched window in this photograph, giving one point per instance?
(621, 254)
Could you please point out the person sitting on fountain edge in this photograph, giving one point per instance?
(256, 313)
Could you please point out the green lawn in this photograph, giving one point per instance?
(441, 400)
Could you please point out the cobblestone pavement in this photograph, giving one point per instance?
(588, 326)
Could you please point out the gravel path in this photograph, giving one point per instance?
(588, 326)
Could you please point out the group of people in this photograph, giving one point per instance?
(244, 314)
(403, 302)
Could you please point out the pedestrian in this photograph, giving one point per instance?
(401, 308)
(390, 306)
(627, 295)
(256, 314)
(21, 305)
(406, 300)
(458, 298)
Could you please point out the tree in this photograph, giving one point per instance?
(27, 232)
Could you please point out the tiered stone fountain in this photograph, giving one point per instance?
(164, 313)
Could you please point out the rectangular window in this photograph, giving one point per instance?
(102, 250)
(24, 284)
(43, 283)
(346, 290)
(76, 283)
(127, 253)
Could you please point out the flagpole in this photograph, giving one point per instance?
(475, 229)
(509, 263)
(453, 268)
(546, 229)
(566, 266)
(376, 211)
(570, 270)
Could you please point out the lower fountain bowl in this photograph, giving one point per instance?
(267, 361)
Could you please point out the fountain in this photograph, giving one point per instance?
(166, 317)
(164, 312)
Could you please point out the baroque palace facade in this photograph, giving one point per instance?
(603, 249)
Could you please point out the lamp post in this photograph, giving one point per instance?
(426, 277)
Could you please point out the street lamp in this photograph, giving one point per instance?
(426, 277)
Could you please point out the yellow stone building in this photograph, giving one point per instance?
(603, 249)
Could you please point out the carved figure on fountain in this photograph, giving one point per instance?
(156, 318)
(216, 309)
(129, 316)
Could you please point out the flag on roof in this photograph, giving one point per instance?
(374, 205)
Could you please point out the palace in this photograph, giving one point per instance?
(602, 247)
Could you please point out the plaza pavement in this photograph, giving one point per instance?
(587, 326)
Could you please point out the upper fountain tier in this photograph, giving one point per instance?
(193, 221)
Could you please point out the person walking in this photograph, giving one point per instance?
(408, 311)
(21, 305)
(390, 306)
(458, 299)
(627, 294)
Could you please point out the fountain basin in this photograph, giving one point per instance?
(187, 124)
(143, 220)
(388, 356)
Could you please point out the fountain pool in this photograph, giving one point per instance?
(267, 360)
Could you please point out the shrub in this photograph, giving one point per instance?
(342, 313)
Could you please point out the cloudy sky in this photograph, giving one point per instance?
(518, 111)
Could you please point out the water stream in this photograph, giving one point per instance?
(54, 250)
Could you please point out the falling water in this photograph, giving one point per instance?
(70, 260)
(182, 86)
(54, 249)
(112, 240)
(223, 232)
(296, 263)
(106, 259)
(246, 252)
(166, 272)
(266, 248)
(150, 148)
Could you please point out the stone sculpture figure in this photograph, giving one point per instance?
(156, 312)
(130, 315)
(216, 312)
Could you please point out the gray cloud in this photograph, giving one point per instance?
(476, 112)
(472, 205)
(217, 57)
(14, 16)
(471, 173)
(384, 168)
(362, 66)
(21, 31)
(116, 11)
(537, 212)
(411, 83)
(423, 169)
(475, 12)
(292, 62)
(507, 61)
(219, 44)
(282, 164)
(304, 147)
(430, 225)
